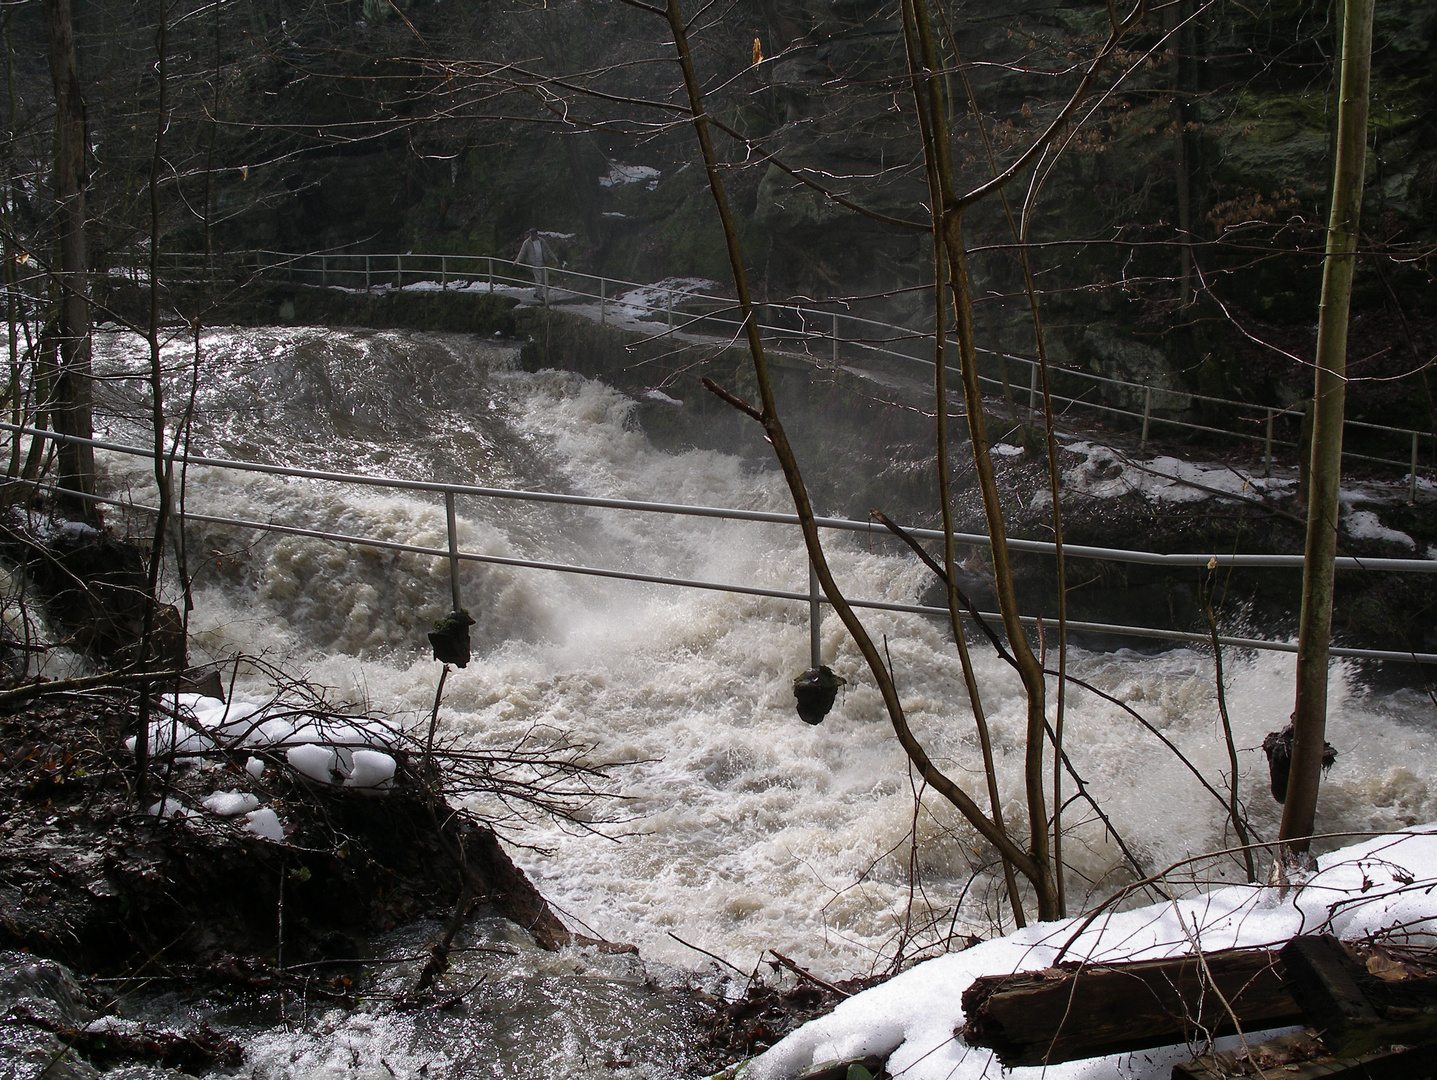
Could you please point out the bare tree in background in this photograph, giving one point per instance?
(71, 390)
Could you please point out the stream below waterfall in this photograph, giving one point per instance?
(735, 827)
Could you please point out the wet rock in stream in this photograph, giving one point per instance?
(196, 904)
(89, 879)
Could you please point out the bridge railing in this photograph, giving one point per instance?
(829, 332)
(452, 493)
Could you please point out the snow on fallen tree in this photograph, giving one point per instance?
(1386, 886)
(296, 732)
(232, 831)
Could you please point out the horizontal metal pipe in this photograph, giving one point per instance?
(1041, 547)
(1115, 630)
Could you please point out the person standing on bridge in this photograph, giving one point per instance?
(536, 254)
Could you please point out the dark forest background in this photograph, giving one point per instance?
(1177, 238)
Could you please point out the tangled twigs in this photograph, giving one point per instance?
(779, 960)
(538, 772)
(256, 974)
(193, 1051)
(439, 955)
(19, 695)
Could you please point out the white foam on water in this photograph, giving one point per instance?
(740, 828)
(24, 622)
(575, 1014)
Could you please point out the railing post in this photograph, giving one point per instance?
(815, 619)
(1412, 488)
(443, 274)
(835, 338)
(399, 271)
(366, 273)
(453, 549)
(324, 271)
(603, 301)
(1147, 415)
(1032, 390)
(1267, 447)
(491, 273)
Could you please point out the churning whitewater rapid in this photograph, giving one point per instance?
(738, 828)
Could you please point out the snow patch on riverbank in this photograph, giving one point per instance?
(1376, 885)
(1364, 525)
(1105, 474)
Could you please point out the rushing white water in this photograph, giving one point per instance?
(739, 828)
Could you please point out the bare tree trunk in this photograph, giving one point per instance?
(767, 416)
(1029, 670)
(70, 414)
(950, 565)
(1315, 623)
(1184, 112)
(1035, 861)
(948, 217)
(1020, 236)
(164, 464)
(15, 387)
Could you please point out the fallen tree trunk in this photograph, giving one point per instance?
(1063, 1014)
(1361, 1005)
(1302, 1057)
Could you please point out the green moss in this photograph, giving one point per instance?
(695, 242)
(1309, 108)
(1398, 102)
(453, 624)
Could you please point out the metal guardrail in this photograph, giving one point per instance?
(831, 334)
(451, 492)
